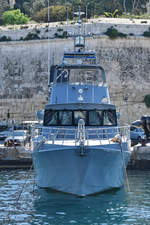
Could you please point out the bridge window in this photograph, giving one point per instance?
(79, 115)
(95, 118)
(65, 118)
(109, 118)
(71, 118)
(50, 118)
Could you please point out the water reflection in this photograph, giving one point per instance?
(42, 207)
(66, 209)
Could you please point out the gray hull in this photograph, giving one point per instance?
(64, 169)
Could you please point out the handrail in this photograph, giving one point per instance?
(105, 133)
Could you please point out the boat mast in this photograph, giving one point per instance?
(79, 39)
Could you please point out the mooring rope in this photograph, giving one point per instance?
(20, 193)
(24, 185)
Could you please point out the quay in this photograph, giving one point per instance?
(140, 157)
(20, 157)
(15, 163)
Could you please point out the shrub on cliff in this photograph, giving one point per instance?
(147, 33)
(31, 36)
(112, 15)
(14, 17)
(4, 38)
(147, 100)
(63, 34)
(114, 33)
(1, 22)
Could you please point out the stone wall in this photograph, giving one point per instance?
(23, 73)
(131, 27)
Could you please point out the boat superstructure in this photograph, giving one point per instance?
(80, 149)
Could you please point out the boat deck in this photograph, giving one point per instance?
(73, 142)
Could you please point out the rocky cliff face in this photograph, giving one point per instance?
(23, 73)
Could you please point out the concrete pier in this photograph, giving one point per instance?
(15, 164)
(140, 157)
(18, 157)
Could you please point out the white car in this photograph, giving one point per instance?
(17, 138)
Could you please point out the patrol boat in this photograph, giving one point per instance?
(80, 149)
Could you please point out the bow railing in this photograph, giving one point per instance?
(54, 134)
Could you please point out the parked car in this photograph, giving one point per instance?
(144, 122)
(4, 134)
(137, 133)
(17, 138)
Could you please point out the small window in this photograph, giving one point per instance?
(95, 118)
(79, 115)
(132, 128)
(65, 118)
(50, 118)
(109, 118)
(140, 129)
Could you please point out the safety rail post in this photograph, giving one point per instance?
(53, 140)
(49, 134)
(98, 136)
(87, 135)
(63, 135)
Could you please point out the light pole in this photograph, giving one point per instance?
(73, 13)
(67, 9)
(87, 10)
(67, 12)
(48, 43)
(126, 100)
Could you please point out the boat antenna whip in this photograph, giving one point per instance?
(79, 13)
(79, 18)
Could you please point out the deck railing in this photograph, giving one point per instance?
(108, 133)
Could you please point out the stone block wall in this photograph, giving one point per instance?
(131, 27)
(24, 76)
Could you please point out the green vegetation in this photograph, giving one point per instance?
(62, 34)
(147, 33)
(113, 33)
(57, 13)
(147, 100)
(14, 17)
(134, 16)
(59, 29)
(31, 36)
(62, 10)
(4, 38)
(113, 15)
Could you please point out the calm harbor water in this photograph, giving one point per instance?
(37, 206)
